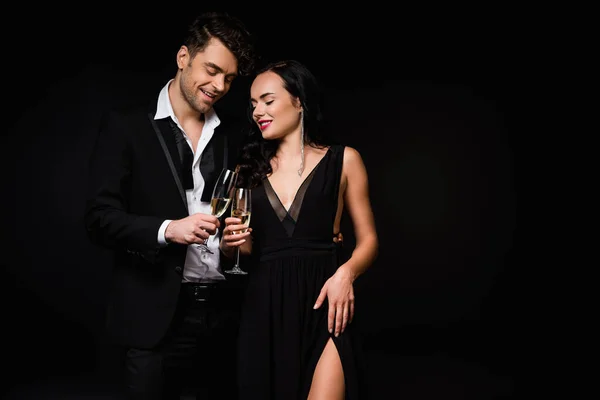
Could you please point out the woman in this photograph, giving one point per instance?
(296, 339)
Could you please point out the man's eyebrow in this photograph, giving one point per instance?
(215, 66)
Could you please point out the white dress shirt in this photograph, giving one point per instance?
(200, 266)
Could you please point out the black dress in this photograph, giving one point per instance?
(281, 335)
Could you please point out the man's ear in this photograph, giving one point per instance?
(183, 57)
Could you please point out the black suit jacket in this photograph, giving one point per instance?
(133, 188)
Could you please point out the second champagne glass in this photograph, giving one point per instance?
(241, 208)
(221, 197)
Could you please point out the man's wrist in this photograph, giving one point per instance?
(164, 234)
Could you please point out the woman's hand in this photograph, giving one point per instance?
(232, 237)
(339, 291)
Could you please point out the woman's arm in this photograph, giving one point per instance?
(357, 202)
(339, 289)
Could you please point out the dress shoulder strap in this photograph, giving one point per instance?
(338, 160)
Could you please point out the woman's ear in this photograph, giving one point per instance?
(298, 104)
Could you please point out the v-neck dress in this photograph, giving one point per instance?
(281, 336)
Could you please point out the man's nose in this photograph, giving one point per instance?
(219, 83)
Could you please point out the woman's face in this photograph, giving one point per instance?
(275, 111)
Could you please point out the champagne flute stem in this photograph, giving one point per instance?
(237, 257)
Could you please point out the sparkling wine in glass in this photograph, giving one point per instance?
(241, 208)
(221, 197)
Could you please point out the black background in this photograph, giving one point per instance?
(428, 100)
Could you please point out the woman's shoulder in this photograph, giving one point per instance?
(344, 151)
(337, 148)
(350, 153)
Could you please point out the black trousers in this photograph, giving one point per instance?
(198, 355)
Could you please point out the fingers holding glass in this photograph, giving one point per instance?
(221, 198)
(235, 234)
(241, 208)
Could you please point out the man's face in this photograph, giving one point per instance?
(208, 76)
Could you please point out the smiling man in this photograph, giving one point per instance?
(171, 311)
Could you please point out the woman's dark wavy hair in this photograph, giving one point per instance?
(229, 30)
(256, 154)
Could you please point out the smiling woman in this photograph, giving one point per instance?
(300, 299)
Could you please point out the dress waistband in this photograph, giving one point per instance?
(297, 247)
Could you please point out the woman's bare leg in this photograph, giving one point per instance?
(328, 379)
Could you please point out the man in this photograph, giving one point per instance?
(151, 177)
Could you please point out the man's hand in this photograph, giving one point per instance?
(193, 229)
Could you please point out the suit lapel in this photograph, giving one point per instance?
(214, 157)
(167, 142)
(213, 160)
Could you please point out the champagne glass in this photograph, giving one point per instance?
(221, 197)
(241, 208)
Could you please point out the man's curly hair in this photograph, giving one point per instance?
(228, 29)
